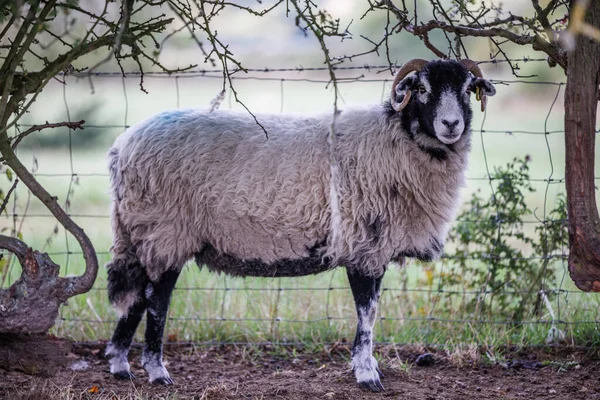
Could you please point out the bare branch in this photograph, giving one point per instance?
(475, 28)
(36, 128)
(34, 29)
(7, 71)
(224, 55)
(431, 47)
(126, 7)
(35, 82)
(84, 282)
(320, 34)
(187, 21)
(536, 41)
(460, 44)
(7, 197)
(9, 24)
(542, 17)
(97, 19)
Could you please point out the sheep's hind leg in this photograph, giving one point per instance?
(158, 296)
(119, 345)
(366, 295)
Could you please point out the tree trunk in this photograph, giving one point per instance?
(581, 101)
(31, 304)
(36, 354)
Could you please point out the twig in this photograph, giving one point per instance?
(431, 47)
(451, 23)
(542, 17)
(481, 29)
(9, 24)
(536, 41)
(186, 25)
(224, 55)
(7, 197)
(37, 81)
(126, 7)
(36, 128)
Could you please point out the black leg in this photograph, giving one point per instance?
(366, 295)
(119, 345)
(158, 296)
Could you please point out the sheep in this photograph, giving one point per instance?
(209, 185)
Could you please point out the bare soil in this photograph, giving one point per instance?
(229, 372)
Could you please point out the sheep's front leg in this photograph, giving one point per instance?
(158, 296)
(366, 295)
(118, 348)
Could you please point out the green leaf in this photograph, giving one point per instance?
(9, 175)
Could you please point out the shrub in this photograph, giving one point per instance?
(506, 270)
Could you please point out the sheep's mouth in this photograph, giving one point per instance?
(449, 138)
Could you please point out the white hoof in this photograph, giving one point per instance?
(367, 373)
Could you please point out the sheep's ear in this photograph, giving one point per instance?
(485, 87)
(405, 84)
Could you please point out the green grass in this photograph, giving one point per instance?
(311, 310)
(224, 309)
(319, 309)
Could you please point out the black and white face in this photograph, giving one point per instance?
(440, 98)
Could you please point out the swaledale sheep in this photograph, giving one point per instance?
(210, 186)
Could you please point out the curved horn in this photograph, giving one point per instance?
(472, 67)
(416, 65)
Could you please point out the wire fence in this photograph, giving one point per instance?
(267, 305)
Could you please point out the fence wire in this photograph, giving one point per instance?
(560, 311)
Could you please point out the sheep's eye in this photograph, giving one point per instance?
(422, 89)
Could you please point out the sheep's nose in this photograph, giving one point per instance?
(450, 124)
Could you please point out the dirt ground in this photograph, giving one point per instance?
(262, 373)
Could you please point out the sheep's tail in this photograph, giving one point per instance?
(127, 278)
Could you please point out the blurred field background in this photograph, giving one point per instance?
(524, 119)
